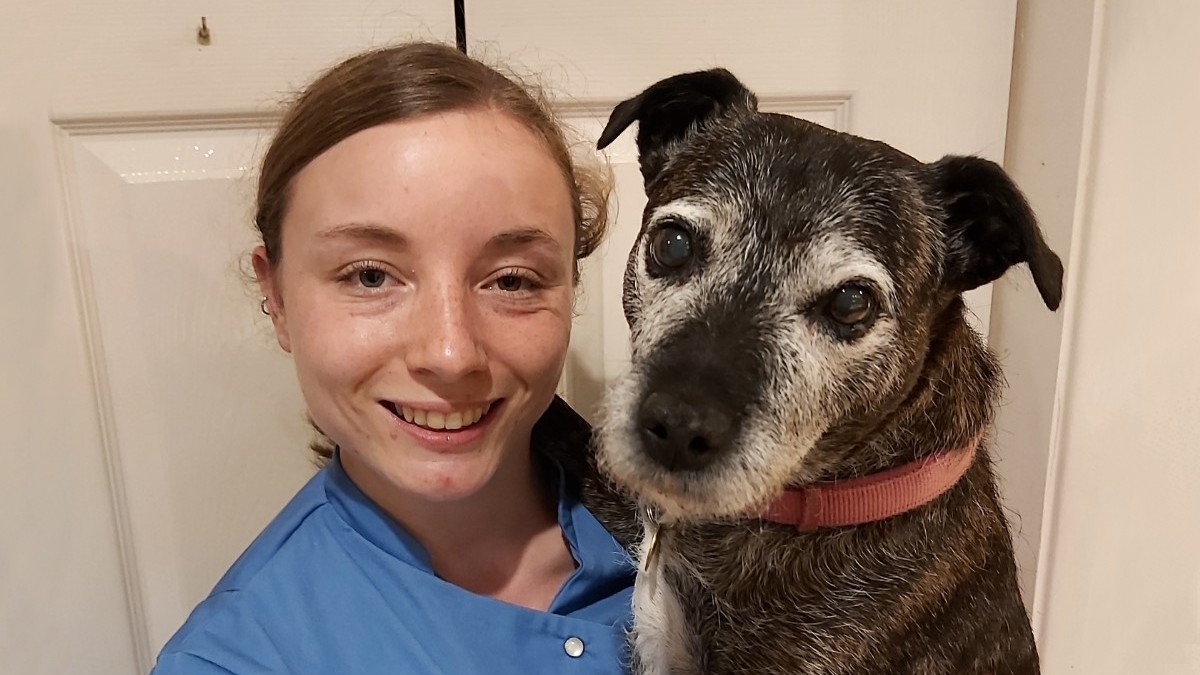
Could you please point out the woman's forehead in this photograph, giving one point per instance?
(477, 167)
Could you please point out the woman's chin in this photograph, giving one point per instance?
(448, 480)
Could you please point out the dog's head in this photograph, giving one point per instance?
(784, 287)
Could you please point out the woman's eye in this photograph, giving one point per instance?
(516, 282)
(853, 309)
(372, 277)
(366, 275)
(511, 283)
(671, 247)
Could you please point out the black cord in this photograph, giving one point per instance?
(460, 26)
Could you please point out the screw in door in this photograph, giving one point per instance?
(202, 35)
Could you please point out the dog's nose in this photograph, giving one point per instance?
(683, 435)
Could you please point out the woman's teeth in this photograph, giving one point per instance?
(448, 421)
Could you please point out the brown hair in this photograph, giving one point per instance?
(402, 82)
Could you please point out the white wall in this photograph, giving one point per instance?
(1118, 588)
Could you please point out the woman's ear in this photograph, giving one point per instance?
(272, 302)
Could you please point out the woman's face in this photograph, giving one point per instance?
(424, 290)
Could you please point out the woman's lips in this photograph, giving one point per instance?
(443, 430)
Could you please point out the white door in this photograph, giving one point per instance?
(151, 427)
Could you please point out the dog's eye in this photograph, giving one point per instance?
(853, 308)
(671, 247)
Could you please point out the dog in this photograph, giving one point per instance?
(805, 415)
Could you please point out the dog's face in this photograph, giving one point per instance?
(783, 290)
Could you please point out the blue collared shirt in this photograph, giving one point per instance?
(333, 585)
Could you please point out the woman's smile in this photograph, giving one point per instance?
(443, 427)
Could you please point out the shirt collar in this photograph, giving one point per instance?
(368, 520)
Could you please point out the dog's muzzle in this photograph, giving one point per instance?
(696, 393)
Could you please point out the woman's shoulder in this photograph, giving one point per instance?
(184, 663)
(246, 600)
(296, 525)
(218, 637)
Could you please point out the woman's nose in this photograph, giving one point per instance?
(446, 343)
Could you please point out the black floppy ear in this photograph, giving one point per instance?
(669, 109)
(990, 227)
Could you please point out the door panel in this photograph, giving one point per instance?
(206, 420)
(151, 424)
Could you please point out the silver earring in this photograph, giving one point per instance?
(262, 306)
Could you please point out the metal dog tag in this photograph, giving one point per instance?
(650, 518)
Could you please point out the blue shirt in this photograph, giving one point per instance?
(333, 585)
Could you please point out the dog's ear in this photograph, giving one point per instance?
(990, 227)
(670, 109)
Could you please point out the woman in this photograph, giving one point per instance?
(422, 225)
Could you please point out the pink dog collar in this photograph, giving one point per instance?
(875, 497)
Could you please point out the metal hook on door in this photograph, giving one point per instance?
(202, 35)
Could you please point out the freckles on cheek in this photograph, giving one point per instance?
(534, 342)
(545, 352)
(342, 342)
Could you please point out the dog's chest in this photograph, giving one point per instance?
(663, 639)
(739, 600)
(720, 606)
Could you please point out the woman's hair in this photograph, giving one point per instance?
(404, 82)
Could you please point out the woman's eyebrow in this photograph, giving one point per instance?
(522, 237)
(367, 232)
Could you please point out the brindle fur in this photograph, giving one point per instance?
(930, 592)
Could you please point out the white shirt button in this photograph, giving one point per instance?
(573, 647)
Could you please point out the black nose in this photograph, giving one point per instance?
(682, 434)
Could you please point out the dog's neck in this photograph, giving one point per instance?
(949, 403)
(872, 498)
